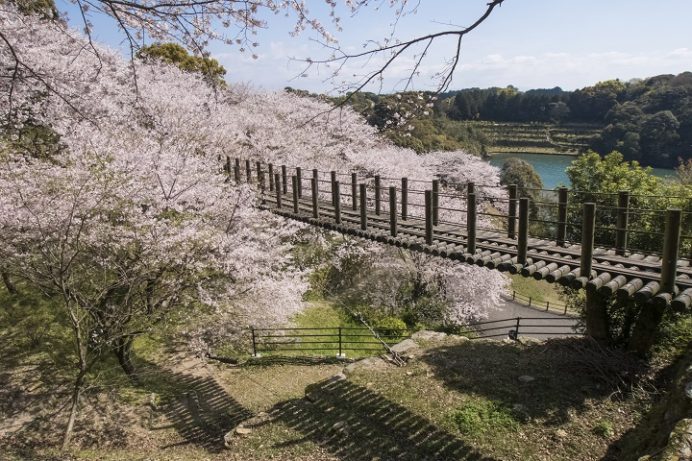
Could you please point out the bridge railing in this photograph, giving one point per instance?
(557, 234)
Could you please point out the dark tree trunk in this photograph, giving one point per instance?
(11, 288)
(123, 351)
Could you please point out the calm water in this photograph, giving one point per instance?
(551, 168)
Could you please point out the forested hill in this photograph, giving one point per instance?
(649, 120)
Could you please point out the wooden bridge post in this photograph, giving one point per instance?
(671, 247)
(561, 217)
(428, 217)
(512, 213)
(596, 304)
(271, 177)
(248, 171)
(588, 231)
(294, 188)
(337, 203)
(523, 237)
(236, 170)
(363, 207)
(404, 199)
(284, 179)
(354, 191)
(299, 179)
(315, 203)
(277, 183)
(332, 177)
(622, 222)
(436, 202)
(378, 196)
(471, 222)
(392, 211)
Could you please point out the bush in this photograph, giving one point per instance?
(392, 327)
(481, 416)
(603, 429)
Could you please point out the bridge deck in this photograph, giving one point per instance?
(493, 249)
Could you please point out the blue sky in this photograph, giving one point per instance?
(526, 43)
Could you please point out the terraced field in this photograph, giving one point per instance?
(537, 137)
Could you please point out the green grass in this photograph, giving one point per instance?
(323, 319)
(539, 291)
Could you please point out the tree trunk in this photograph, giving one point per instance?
(11, 288)
(123, 351)
(76, 393)
(597, 316)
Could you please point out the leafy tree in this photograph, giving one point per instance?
(172, 53)
(520, 172)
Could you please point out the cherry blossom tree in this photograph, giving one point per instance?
(129, 219)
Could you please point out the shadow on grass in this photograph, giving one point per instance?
(558, 375)
(354, 423)
(197, 407)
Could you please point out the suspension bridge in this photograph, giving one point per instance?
(609, 244)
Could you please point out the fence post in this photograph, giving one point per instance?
(284, 179)
(516, 331)
(258, 167)
(470, 188)
(565, 313)
(277, 183)
(227, 166)
(514, 295)
(363, 207)
(271, 177)
(547, 306)
(428, 217)
(471, 222)
(512, 214)
(523, 238)
(337, 203)
(529, 301)
(254, 342)
(404, 199)
(354, 191)
(248, 171)
(341, 354)
(315, 203)
(561, 216)
(392, 211)
(622, 222)
(236, 170)
(299, 178)
(377, 194)
(671, 246)
(436, 202)
(332, 178)
(587, 239)
(294, 187)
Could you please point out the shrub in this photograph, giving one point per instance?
(481, 416)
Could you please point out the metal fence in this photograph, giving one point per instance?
(360, 341)
(339, 340)
(514, 327)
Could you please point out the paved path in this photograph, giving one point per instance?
(543, 325)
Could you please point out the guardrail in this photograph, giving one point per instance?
(326, 340)
(360, 340)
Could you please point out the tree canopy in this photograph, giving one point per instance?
(173, 53)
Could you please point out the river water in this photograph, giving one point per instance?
(551, 168)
